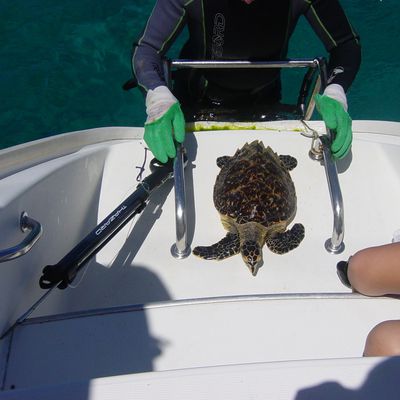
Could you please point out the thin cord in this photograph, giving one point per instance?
(142, 168)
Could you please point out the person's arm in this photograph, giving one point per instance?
(165, 122)
(333, 28)
(330, 23)
(164, 24)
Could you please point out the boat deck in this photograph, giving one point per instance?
(135, 308)
(191, 334)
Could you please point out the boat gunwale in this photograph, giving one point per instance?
(26, 155)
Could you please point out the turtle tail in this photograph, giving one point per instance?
(226, 247)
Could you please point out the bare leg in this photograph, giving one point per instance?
(383, 340)
(375, 271)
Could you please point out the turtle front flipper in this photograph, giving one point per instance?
(222, 161)
(283, 242)
(226, 247)
(288, 162)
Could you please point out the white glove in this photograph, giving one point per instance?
(158, 102)
(336, 92)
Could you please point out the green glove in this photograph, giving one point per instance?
(339, 121)
(160, 134)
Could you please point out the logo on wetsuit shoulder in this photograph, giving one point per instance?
(157, 70)
(217, 49)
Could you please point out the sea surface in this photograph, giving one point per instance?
(63, 62)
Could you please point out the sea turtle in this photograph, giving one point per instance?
(256, 199)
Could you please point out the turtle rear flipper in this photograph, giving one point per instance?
(226, 247)
(283, 242)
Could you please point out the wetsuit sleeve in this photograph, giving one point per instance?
(332, 26)
(164, 24)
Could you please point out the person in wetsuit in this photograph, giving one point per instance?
(239, 30)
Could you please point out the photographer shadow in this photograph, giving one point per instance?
(381, 383)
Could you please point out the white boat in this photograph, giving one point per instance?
(146, 319)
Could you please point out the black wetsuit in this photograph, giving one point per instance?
(233, 30)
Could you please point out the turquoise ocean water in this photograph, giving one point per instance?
(62, 64)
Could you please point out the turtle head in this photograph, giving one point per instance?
(252, 255)
(252, 239)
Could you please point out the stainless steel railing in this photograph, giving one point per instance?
(180, 249)
(335, 244)
(313, 65)
(26, 224)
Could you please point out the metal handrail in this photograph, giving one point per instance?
(312, 64)
(334, 244)
(215, 64)
(36, 230)
(180, 249)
